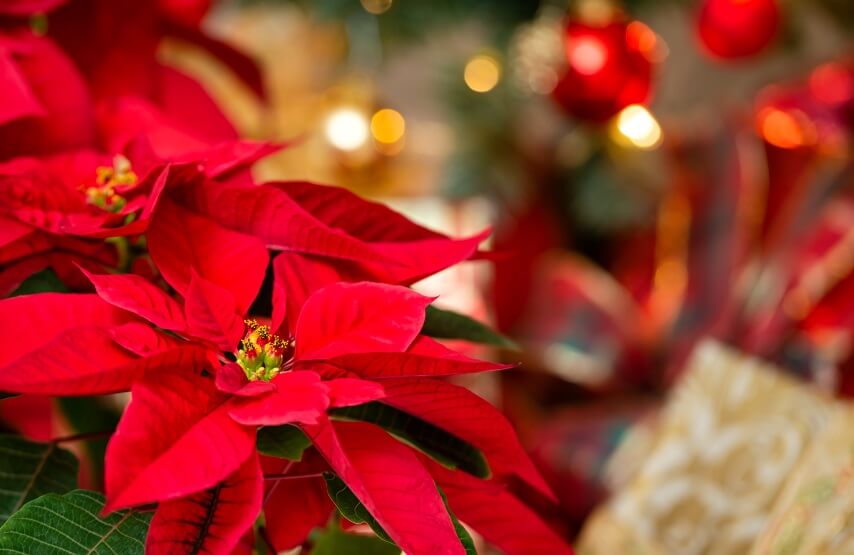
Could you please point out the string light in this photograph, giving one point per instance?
(482, 73)
(639, 127)
(346, 129)
(376, 7)
(388, 126)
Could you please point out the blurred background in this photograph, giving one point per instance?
(669, 182)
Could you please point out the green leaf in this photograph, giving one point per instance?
(40, 282)
(89, 415)
(333, 541)
(62, 524)
(443, 446)
(285, 442)
(28, 470)
(353, 510)
(446, 324)
(350, 506)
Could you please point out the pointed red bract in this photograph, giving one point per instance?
(425, 358)
(498, 515)
(212, 314)
(390, 481)
(211, 521)
(416, 251)
(346, 392)
(175, 439)
(288, 522)
(272, 216)
(464, 414)
(137, 295)
(180, 241)
(31, 321)
(358, 318)
(298, 397)
(84, 361)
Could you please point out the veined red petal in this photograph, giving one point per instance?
(464, 414)
(143, 339)
(296, 276)
(62, 119)
(425, 358)
(212, 314)
(210, 521)
(272, 216)
(416, 250)
(289, 523)
(140, 297)
(498, 515)
(358, 318)
(180, 242)
(389, 480)
(12, 230)
(175, 439)
(13, 275)
(346, 392)
(298, 397)
(339, 208)
(31, 321)
(82, 361)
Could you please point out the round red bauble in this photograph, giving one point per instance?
(732, 29)
(609, 67)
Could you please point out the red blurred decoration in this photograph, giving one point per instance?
(733, 29)
(609, 68)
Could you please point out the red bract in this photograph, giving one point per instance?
(46, 106)
(56, 211)
(326, 235)
(193, 415)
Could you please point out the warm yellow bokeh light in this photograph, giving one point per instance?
(636, 124)
(388, 126)
(482, 73)
(346, 129)
(376, 7)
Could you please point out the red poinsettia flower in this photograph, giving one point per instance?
(324, 235)
(189, 430)
(57, 211)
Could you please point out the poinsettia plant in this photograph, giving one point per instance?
(210, 365)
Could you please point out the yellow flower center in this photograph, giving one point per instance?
(261, 354)
(110, 182)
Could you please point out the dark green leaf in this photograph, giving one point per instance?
(28, 470)
(335, 542)
(62, 524)
(446, 324)
(285, 442)
(350, 506)
(89, 415)
(435, 442)
(40, 282)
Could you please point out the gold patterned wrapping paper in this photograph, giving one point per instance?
(731, 434)
(814, 514)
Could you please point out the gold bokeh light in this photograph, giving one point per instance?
(482, 73)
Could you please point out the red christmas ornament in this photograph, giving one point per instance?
(731, 29)
(609, 67)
